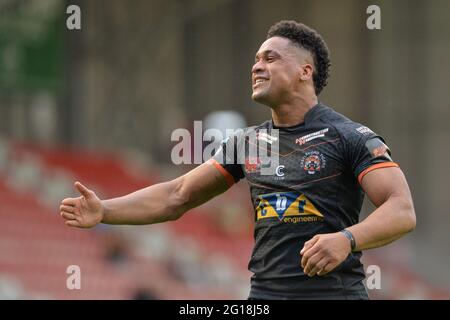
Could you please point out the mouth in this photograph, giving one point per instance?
(257, 81)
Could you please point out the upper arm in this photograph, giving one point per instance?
(210, 178)
(384, 183)
(369, 159)
(200, 185)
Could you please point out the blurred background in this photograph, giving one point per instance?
(99, 105)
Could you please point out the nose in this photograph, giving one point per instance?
(258, 66)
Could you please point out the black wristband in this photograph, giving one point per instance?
(350, 237)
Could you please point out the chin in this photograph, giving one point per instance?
(260, 97)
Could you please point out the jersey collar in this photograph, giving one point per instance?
(309, 116)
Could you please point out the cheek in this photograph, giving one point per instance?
(282, 79)
(290, 80)
(284, 73)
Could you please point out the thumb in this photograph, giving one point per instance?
(309, 244)
(83, 190)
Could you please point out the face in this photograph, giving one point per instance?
(278, 71)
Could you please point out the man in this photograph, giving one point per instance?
(308, 241)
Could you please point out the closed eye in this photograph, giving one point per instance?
(268, 56)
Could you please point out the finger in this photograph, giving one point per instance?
(309, 253)
(326, 269)
(317, 267)
(68, 216)
(308, 244)
(72, 223)
(83, 190)
(69, 209)
(312, 262)
(70, 201)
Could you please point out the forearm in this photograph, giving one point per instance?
(390, 221)
(154, 204)
(166, 201)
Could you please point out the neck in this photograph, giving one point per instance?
(290, 114)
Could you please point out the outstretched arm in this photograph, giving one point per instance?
(154, 204)
(394, 217)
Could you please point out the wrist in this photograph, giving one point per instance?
(103, 211)
(350, 238)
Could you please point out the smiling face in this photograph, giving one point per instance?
(280, 71)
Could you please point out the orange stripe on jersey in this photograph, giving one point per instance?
(374, 167)
(228, 177)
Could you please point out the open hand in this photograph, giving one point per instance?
(85, 211)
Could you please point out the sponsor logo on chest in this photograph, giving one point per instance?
(288, 207)
(318, 134)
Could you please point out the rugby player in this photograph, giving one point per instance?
(308, 238)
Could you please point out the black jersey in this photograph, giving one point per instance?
(314, 189)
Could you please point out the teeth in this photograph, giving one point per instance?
(259, 80)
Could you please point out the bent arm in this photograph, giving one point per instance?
(166, 201)
(394, 217)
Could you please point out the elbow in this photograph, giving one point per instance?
(409, 216)
(174, 216)
(411, 224)
(176, 209)
(405, 215)
(178, 201)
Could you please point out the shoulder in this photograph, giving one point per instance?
(263, 126)
(248, 131)
(237, 138)
(347, 129)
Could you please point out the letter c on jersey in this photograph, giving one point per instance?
(279, 171)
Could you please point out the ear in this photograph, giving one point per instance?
(306, 72)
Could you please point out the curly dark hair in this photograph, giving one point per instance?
(307, 38)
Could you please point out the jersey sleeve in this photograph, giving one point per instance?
(226, 159)
(364, 150)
